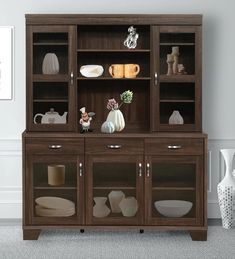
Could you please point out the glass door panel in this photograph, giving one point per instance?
(116, 196)
(174, 190)
(53, 68)
(56, 190)
(178, 77)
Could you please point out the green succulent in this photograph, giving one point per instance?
(126, 96)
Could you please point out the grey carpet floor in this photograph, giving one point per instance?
(116, 245)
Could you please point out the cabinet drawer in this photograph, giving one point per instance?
(114, 146)
(174, 146)
(55, 146)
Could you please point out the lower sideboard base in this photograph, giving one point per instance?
(31, 233)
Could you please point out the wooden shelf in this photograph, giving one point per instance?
(176, 101)
(115, 50)
(50, 44)
(114, 186)
(177, 127)
(177, 78)
(50, 100)
(46, 186)
(111, 78)
(177, 44)
(55, 188)
(50, 78)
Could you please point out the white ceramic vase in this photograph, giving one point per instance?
(116, 117)
(100, 209)
(129, 206)
(115, 197)
(226, 191)
(176, 118)
(50, 64)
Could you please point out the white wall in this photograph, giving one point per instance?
(218, 78)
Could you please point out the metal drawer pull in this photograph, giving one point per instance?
(55, 146)
(174, 146)
(80, 169)
(114, 146)
(140, 169)
(148, 169)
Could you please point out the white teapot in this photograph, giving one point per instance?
(51, 117)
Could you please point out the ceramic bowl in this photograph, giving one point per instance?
(173, 208)
(91, 70)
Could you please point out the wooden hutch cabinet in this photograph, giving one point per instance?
(150, 159)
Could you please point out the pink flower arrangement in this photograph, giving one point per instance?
(112, 104)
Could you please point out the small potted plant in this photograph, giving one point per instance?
(115, 115)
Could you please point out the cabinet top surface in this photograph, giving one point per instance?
(161, 19)
(114, 135)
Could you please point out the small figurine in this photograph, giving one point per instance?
(170, 61)
(131, 40)
(85, 120)
(175, 53)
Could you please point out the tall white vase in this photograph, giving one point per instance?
(226, 191)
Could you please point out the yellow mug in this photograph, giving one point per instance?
(131, 70)
(116, 70)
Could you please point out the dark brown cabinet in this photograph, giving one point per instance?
(151, 160)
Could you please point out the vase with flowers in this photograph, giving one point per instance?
(115, 115)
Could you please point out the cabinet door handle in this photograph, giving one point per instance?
(71, 78)
(80, 169)
(55, 146)
(155, 78)
(148, 170)
(114, 146)
(140, 169)
(174, 146)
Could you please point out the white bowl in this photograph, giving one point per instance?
(173, 208)
(91, 70)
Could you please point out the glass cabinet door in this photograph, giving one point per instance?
(173, 187)
(56, 189)
(115, 186)
(177, 74)
(51, 76)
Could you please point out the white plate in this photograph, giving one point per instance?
(91, 70)
(41, 211)
(55, 203)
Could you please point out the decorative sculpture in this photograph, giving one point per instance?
(170, 61)
(85, 120)
(131, 40)
(175, 53)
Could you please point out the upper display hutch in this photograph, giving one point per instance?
(83, 40)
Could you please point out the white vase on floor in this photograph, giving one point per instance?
(226, 191)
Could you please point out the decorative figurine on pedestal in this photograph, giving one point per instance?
(85, 120)
(175, 53)
(131, 40)
(170, 61)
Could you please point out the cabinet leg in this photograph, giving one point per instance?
(198, 235)
(141, 231)
(82, 230)
(31, 234)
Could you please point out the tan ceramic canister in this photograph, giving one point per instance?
(116, 70)
(56, 174)
(131, 70)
